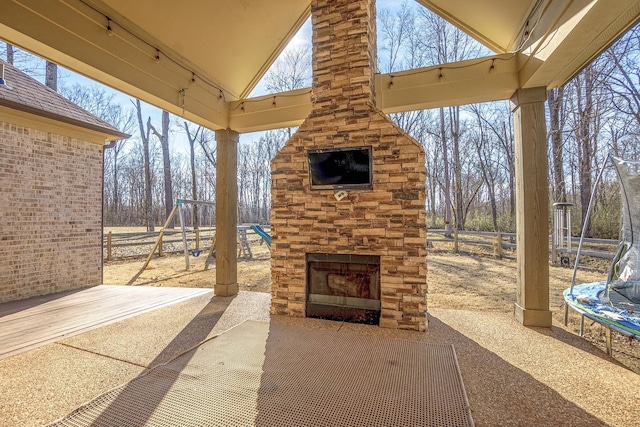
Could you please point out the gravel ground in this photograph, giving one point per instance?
(514, 376)
(472, 280)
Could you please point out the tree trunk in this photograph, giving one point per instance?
(148, 201)
(168, 188)
(488, 176)
(555, 97)
(166, 162)
(454, 122)
(510, 155)
(116, 195)
(447, 179)
(194, 184)
(585, 112)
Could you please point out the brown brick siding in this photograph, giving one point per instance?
(50, 212)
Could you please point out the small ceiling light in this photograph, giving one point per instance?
(157, 56)
(242, 107)
(109, 29)
(274, 101)
(182, 93)
(193, 78)
(493, 67)
(441, 76)
(391, 83)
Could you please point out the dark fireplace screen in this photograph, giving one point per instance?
(344, 287)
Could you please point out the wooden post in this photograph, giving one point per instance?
(197, 239)
(226, 213)
(455, 240)
(498, 253)
(109, 246)
(160, 245)
(532, 207)
(166, 224)
(184, 236)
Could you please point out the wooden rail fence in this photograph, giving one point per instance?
(199, 238)
(500, 241)
(497, 241)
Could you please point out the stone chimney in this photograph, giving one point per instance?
(386, 222)
(344, 56)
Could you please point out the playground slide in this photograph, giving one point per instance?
(260, 232)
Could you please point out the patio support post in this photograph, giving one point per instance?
(531, 168)
(226, 213)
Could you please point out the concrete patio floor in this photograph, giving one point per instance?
(513, 375)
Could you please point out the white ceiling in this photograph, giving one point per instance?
(229, 45)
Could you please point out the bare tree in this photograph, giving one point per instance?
(193, 137)
(625, 80)
(486, 157)
(584, 117)
(148, 199)
(442, 43)
(556, 125)
(166, 161)
(97, 101)
(447, 178)
(292, 70)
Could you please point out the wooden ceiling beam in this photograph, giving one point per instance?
(464, 82)
(570, 35)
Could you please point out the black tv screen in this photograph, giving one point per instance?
(340, 168)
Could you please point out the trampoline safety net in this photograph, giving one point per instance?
(624, 274)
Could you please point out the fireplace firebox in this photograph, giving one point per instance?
(343, 287)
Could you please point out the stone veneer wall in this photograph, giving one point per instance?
(388, 220)
(50, 212)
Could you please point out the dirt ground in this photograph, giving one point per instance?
(472, 281)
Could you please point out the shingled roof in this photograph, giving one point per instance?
(24, 93)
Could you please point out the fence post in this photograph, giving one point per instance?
(498, 245)
(197, 239)
(109, 246)
(160, 246)
(455, 240)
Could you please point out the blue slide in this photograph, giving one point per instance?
(260, 232)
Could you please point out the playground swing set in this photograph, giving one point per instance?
(195, 251)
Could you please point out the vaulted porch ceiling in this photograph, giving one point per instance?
(212, 53)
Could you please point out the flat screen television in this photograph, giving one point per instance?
(340, 168)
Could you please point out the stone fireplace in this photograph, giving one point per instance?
(354, 249)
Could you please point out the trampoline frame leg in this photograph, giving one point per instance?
(581, 324)
(607, 333)
(566, 314)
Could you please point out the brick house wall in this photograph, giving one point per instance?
(50, 211)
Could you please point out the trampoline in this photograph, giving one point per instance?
(615, 302)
